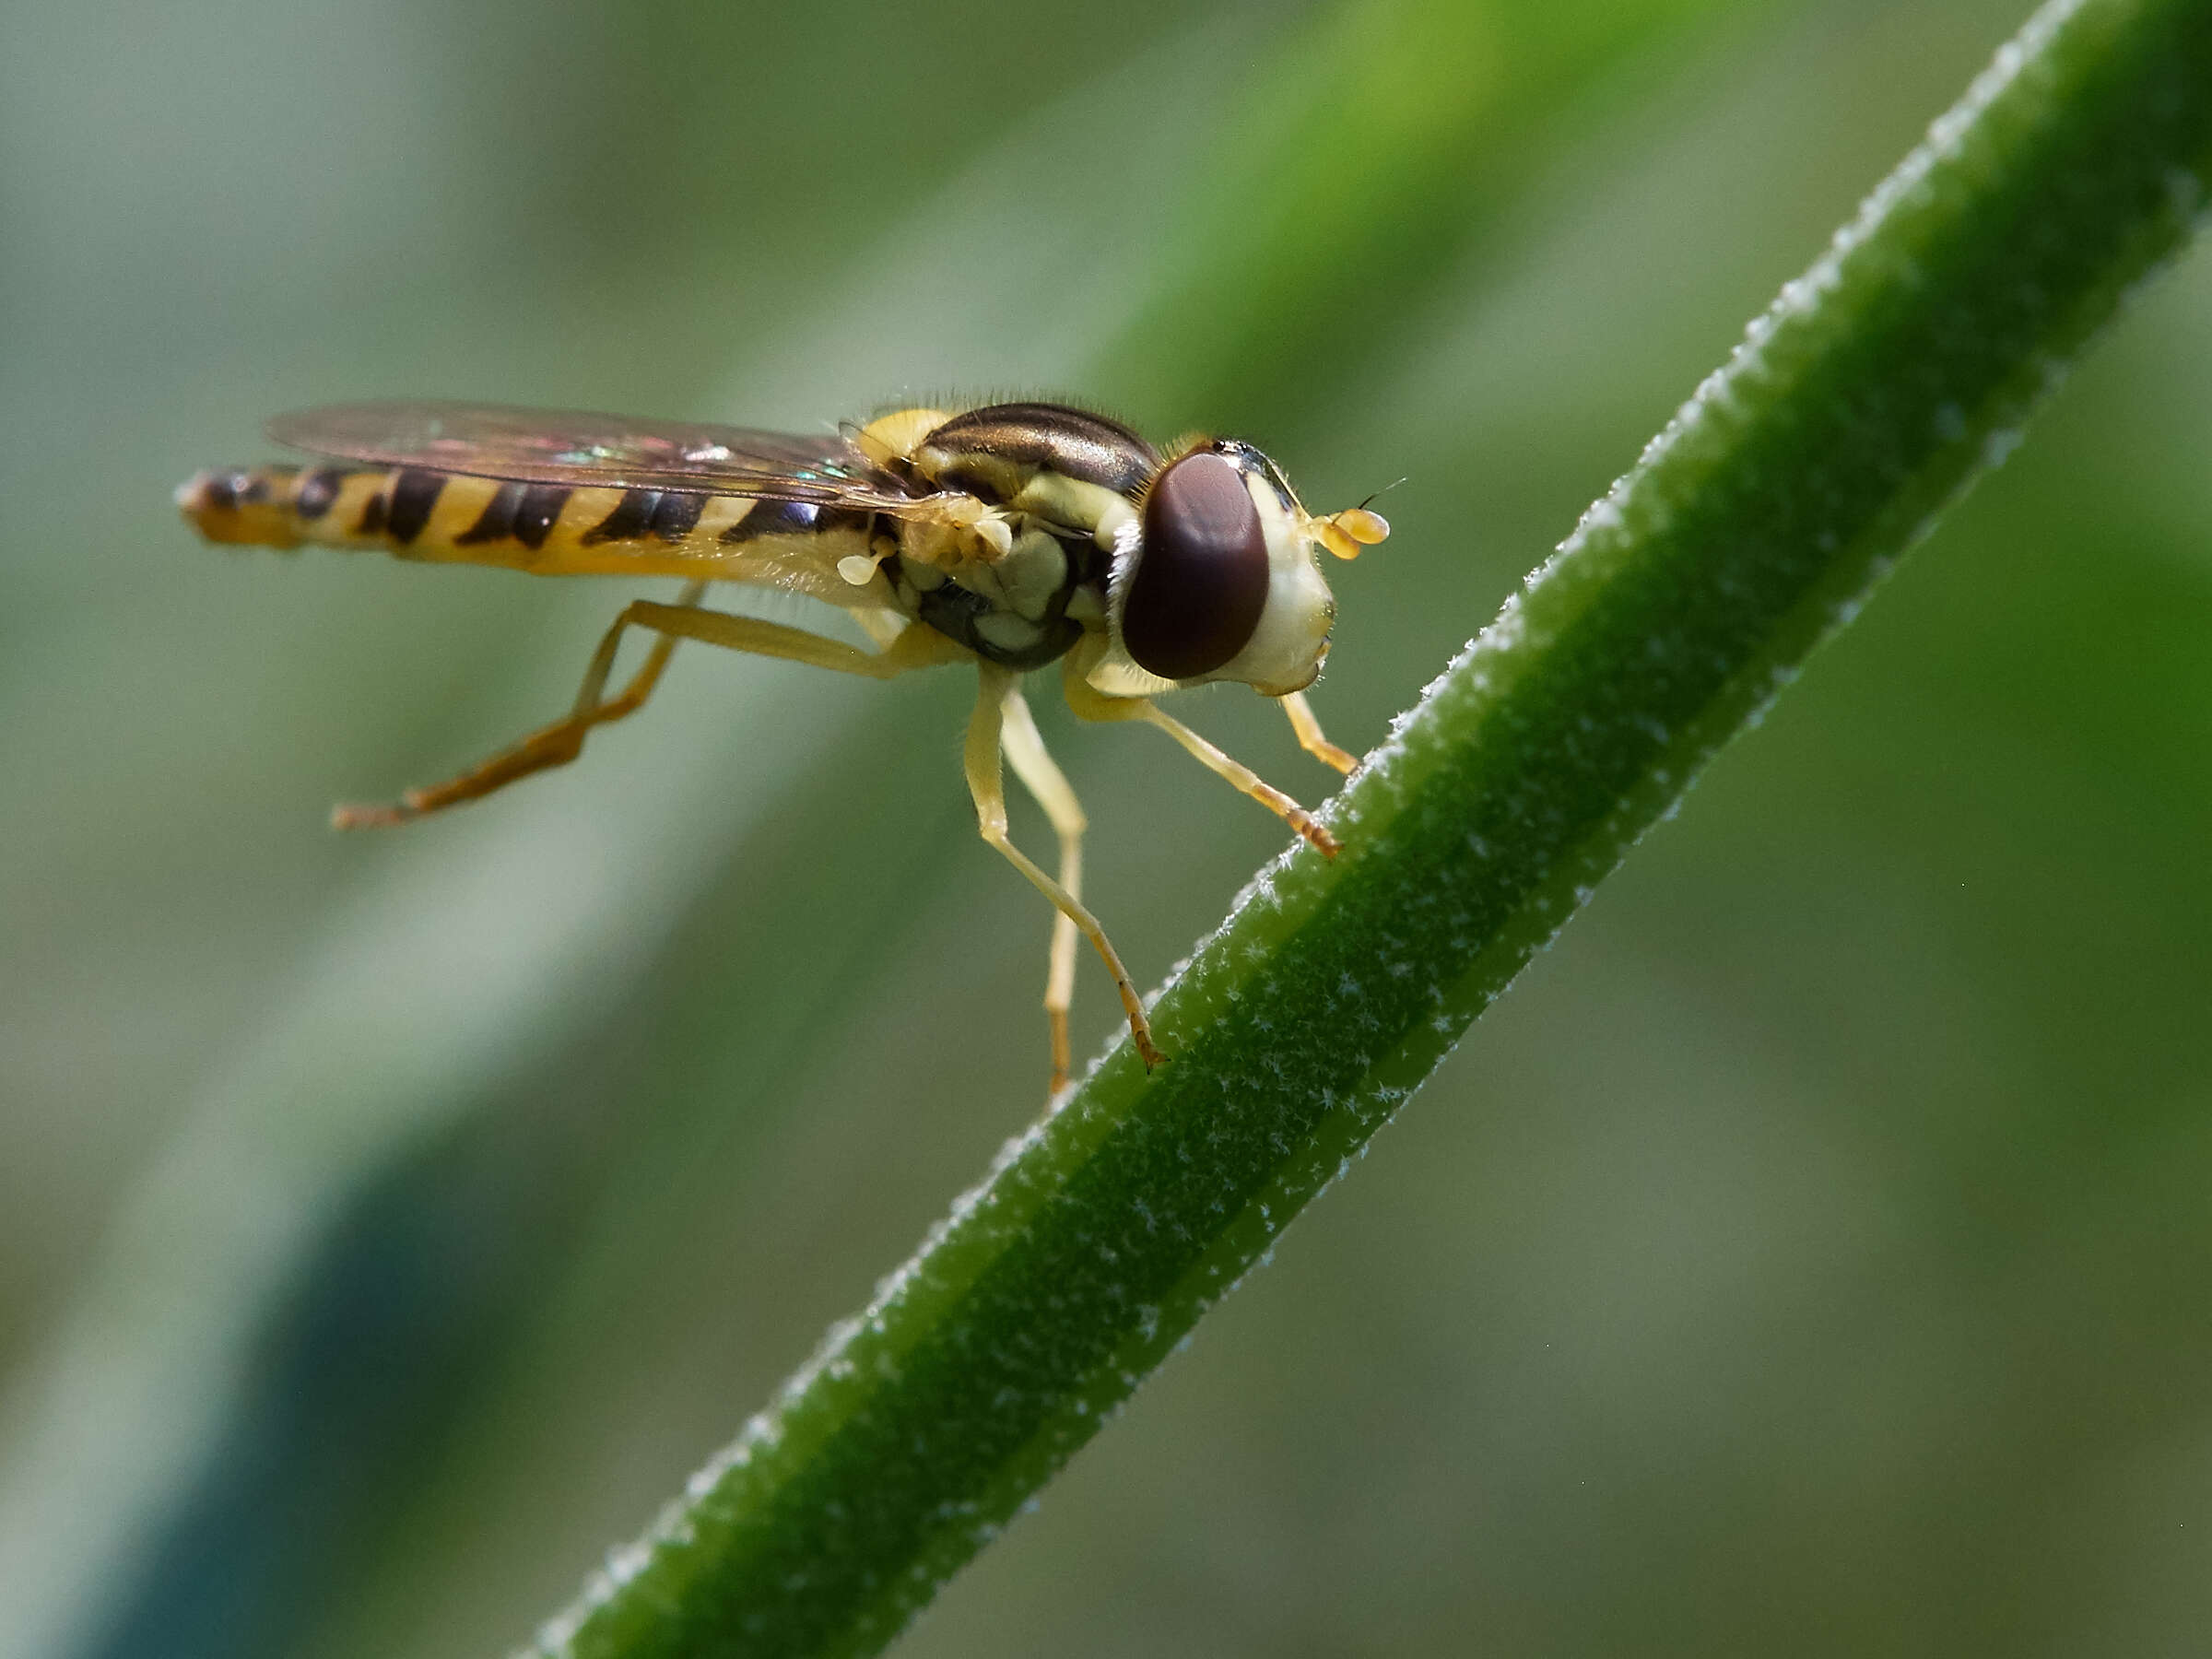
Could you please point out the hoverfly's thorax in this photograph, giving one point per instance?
(1058, 483)
(1021, 611)
(999, 449)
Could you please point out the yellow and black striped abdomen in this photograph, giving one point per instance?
(547, 529)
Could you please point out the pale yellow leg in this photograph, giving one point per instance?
(1090, 703)
(1046, 780)
(559, 743)
(984, 782)
(1309, 737)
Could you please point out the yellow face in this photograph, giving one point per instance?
(1292, 637)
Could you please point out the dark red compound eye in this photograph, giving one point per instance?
(1201, 580)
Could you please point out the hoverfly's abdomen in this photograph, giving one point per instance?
(337, 506)
(550, 529)
(262, 506)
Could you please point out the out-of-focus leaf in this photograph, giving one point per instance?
(1353, 171)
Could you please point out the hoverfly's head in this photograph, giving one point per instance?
(1216, 579)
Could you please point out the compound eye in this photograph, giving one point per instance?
(1202, 581)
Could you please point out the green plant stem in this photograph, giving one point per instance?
(1869, 395)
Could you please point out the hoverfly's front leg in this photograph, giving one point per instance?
(1310, 738)
(559, 743)
(1050, 786)
(985, 727)
(1090, 704)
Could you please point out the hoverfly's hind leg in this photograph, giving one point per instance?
(980, 756)
(1310, 738)
(1025, 749)
(559, 743)
(555, 745)
(1090, 704)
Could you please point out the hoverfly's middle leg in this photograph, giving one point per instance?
(986, 727)
(1090, 704)
(1049, 786)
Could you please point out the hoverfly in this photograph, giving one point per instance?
(1006, 536)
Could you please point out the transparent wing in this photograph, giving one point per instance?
(568, 446)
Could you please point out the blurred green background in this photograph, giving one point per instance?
(1811, 1254)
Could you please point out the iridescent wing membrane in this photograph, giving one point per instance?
(586, 450)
